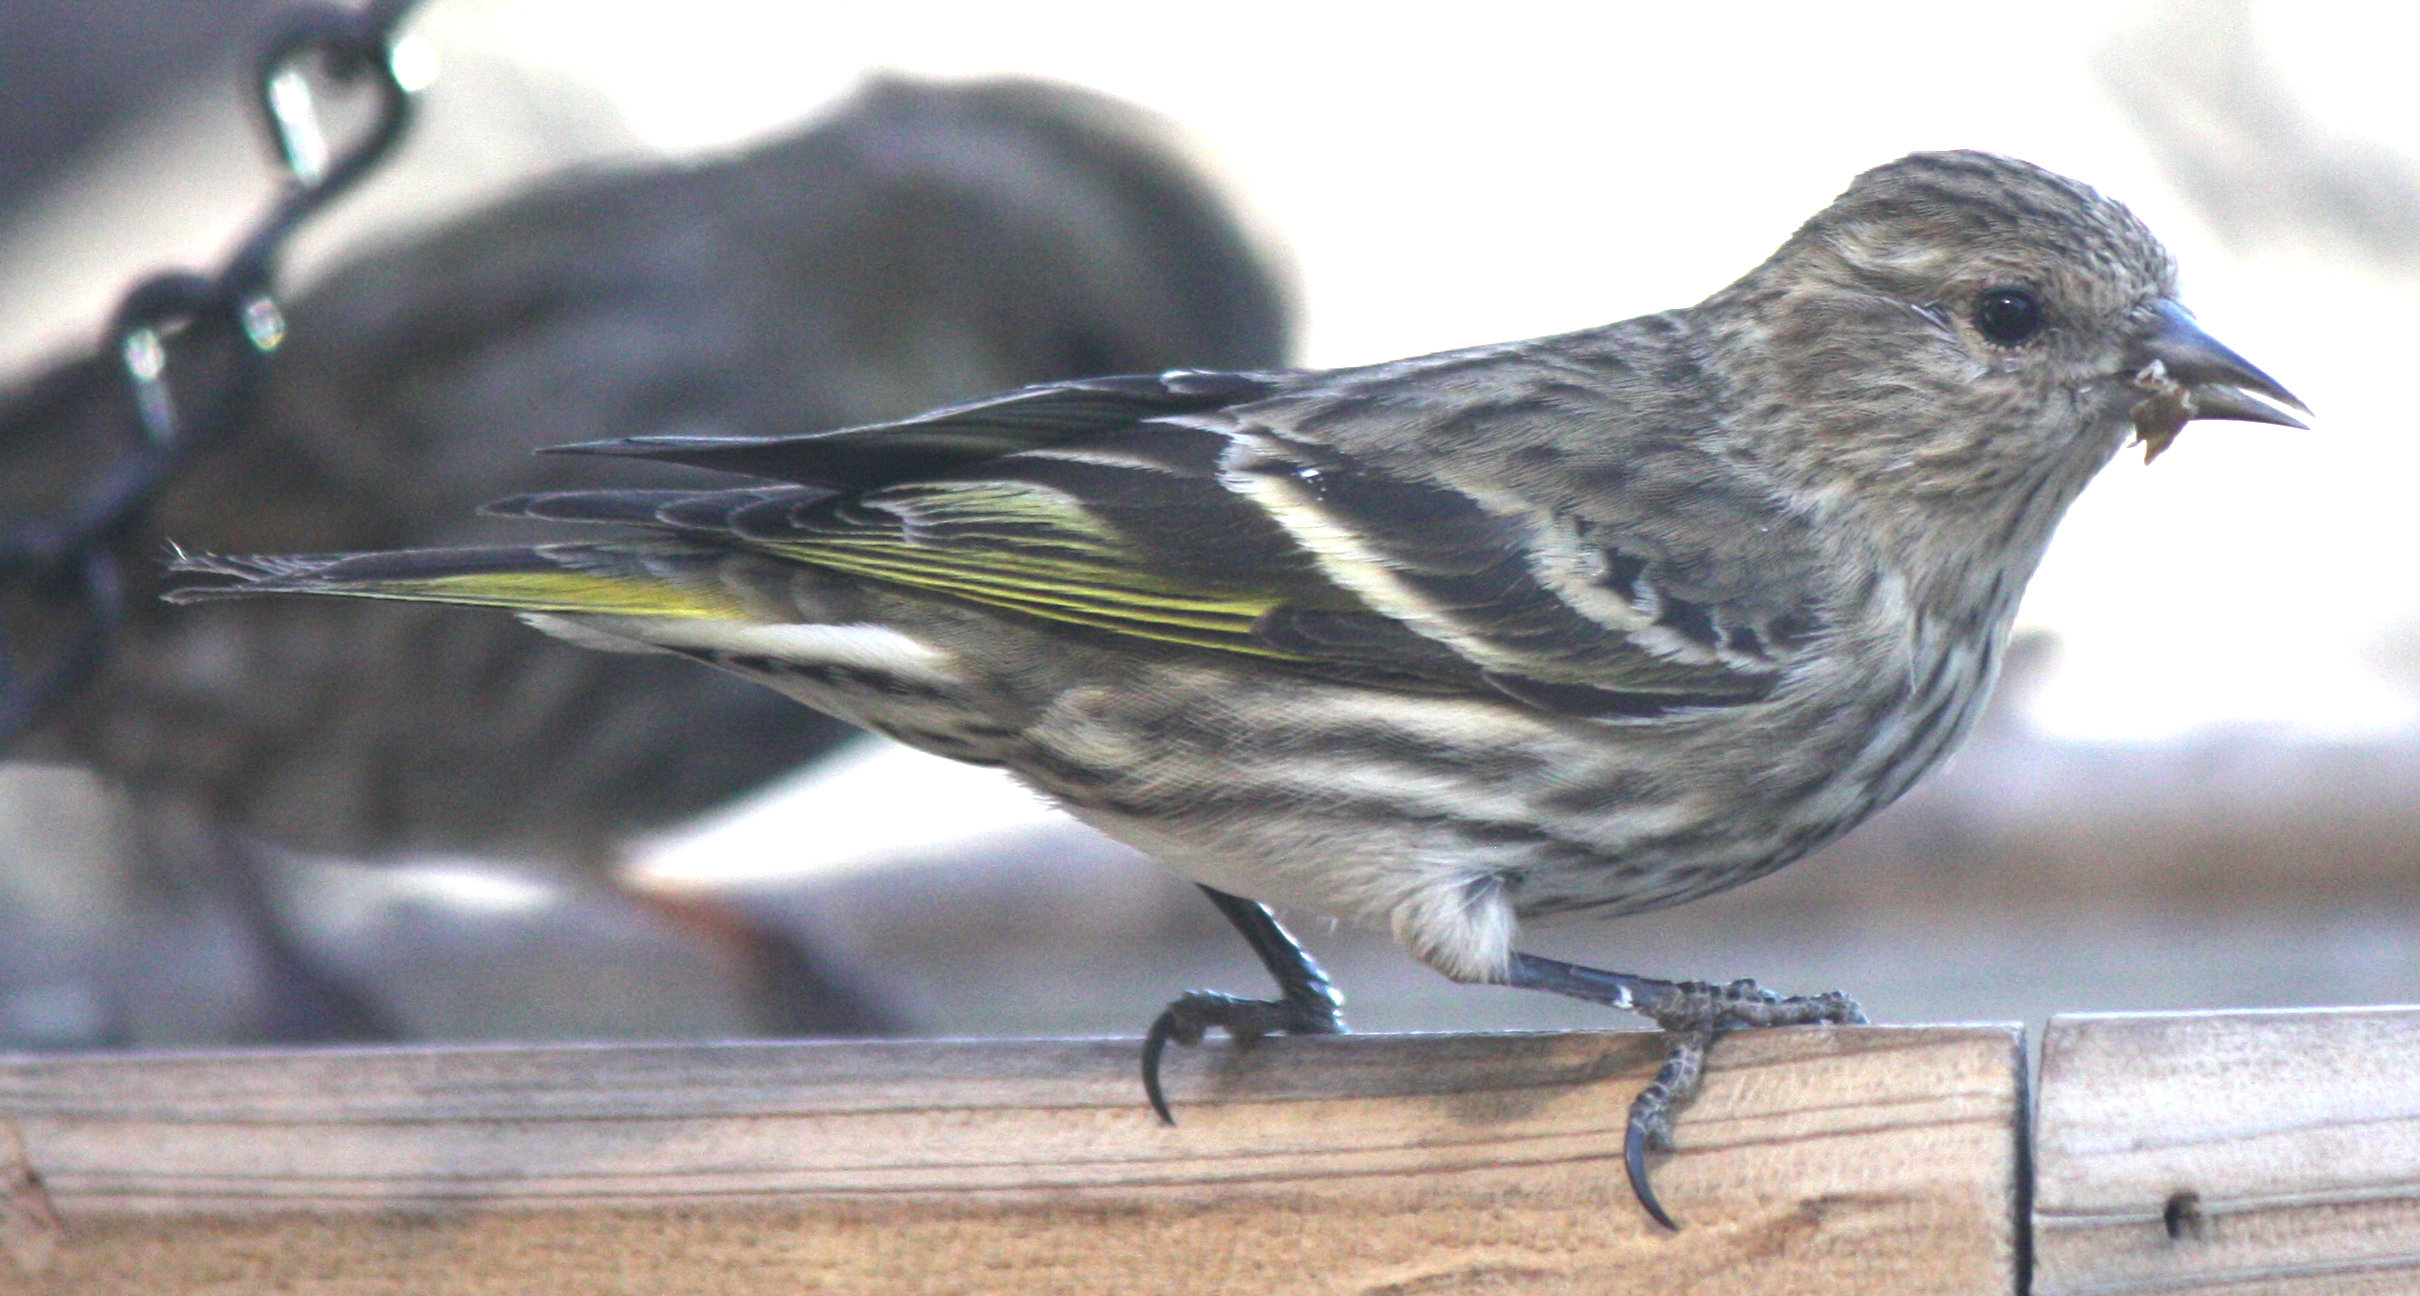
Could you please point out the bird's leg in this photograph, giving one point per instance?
(1692, 1013)
(306, 1000)
(1307, 1004)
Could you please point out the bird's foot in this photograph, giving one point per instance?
(1307, 1003)
(1692, 1013)
(1188, 1019)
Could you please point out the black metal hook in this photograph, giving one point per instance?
(68, 561)
(350, 47)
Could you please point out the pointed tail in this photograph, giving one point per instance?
(596, 579)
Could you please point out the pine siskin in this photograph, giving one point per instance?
(1590, 624)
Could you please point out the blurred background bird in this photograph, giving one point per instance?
(920, 242)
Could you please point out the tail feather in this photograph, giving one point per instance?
(605, 580)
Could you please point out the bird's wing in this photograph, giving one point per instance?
(1159, 509)
(953, 436)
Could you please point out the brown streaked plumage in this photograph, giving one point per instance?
(1588, 624)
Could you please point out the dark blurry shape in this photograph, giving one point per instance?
(304, 999)
(922, 243)
(797, 989)
(2228, 131)
(75, 72)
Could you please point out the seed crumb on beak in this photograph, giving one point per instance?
(2164, 412)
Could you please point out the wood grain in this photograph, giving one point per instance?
(2235, 1152)
(1866, 1159)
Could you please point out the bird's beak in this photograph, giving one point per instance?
(2188, 374)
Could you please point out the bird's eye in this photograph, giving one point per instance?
(2008, 316)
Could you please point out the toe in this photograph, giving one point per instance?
(1637, 1142)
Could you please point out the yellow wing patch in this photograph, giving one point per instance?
(1104, 597)
(541, 591)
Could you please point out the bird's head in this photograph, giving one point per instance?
(1967, 328)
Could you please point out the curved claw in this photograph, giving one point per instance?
(1693, 1014)
(1155, 1044)
(1635, 1145)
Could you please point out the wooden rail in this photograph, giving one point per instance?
(2237, 1153)
(2242, 1153)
